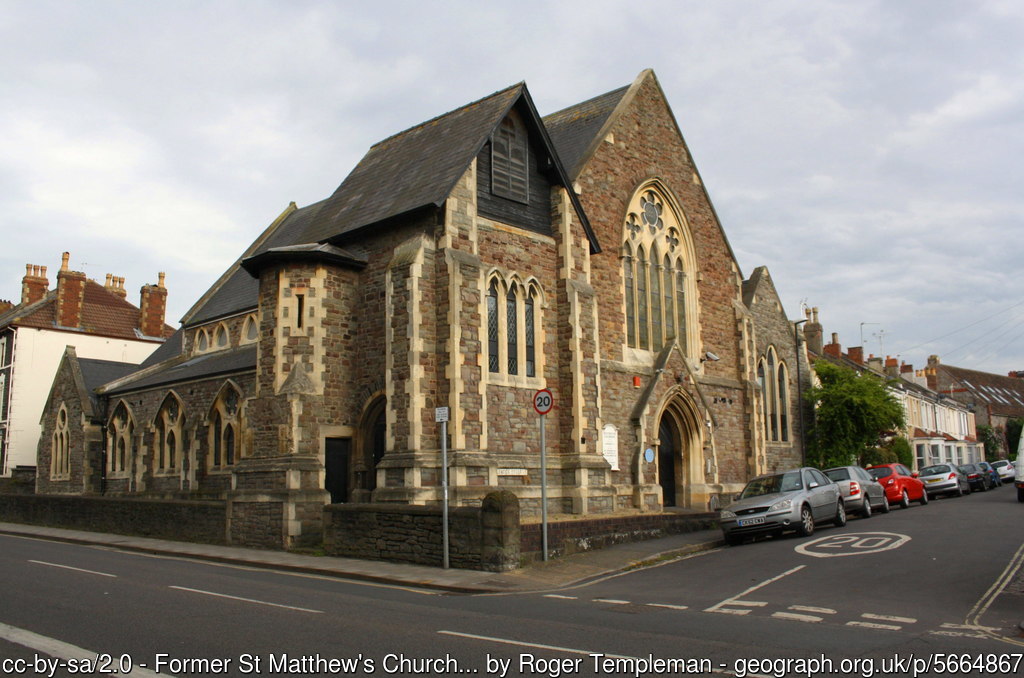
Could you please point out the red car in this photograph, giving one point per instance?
(901, 486)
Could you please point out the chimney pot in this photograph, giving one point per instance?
(64, 261)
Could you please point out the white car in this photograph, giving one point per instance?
(1005, 469)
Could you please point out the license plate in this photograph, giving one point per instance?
(750, 521)
(934, 480)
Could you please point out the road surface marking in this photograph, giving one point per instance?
(808, 608)
(979, 609)
(797, 617)
(58, 648)
(726, 610)
(735, 600)
(612, 601)
(958, 634)
(555, 595)
(750, 603)
(869, 625)
(969, 627)
(571, 650)
(885, 617)
(851, 544)
(246, 600)
(76, 569)
(668, 607)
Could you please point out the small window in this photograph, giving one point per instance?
(252, 332)
(202, 343)
(221, 337)
(510, 160)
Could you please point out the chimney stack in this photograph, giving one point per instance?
(906, 368)
(5, 305)
(856, 354)
(932, 375)
(34, 285)
(812, 331)
(152, 307)
(834, 349)
(70, 294)
(875, 363)
(115, 285)
(892, 367)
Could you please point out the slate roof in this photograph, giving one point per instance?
(167, 350)
(103, 313)
(1004, 396)
(200, 367)
(96, 373)
(575, 129)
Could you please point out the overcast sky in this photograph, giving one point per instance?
(869, 153)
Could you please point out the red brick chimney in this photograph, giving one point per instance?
(834, 349)
(906, 368)
(152, 307)
(34, 285)
(70, 294)
(856, 354)
(892, 367)
(5, 306)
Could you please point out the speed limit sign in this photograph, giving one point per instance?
(543, 401)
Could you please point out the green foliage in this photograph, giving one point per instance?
(853, 411)
(1013, 431)
(903, 451)
(993, 440)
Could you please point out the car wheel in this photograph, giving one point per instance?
(840, 519)
(865, 511)
(885, 505)
(806, 527)
(905, 500)
(924, 498)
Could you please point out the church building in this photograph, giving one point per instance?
(466, 263)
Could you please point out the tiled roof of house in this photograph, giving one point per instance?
(103, 313)
(1003, 395)
(575, 129)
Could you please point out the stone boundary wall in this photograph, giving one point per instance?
(479, 538)
(193, 521)
(575, 536)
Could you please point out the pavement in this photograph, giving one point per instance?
(557, 573)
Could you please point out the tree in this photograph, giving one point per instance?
(853, 411)
(992, 439)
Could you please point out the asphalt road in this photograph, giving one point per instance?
(894, 591)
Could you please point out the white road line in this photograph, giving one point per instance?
(869, 625)
(979, 609)
(612, 601)
(885, 617)
(570, 650)
(58, 648)
(668, 607)
(797, 617)
(969, 627)
(735, 599)
(76, 569)
(808, 608)
(726, 610)
(749, 603)
(958, 634)
(246, 600)
(555, 595)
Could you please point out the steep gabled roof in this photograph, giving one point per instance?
(574, 130)
(1001, 394)
(103, 313)
(96, 373)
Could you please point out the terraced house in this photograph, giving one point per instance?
(466, 263)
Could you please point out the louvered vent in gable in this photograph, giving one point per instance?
(510, 160)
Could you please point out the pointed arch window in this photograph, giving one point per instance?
(120, 432)
(224, 427)
(251, 330)
(513, 331)
(167, 445)
(773, 378)
(656, 288)
(60, 443)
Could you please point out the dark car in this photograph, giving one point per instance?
(978, 479)
(901, 486)
(992, 473)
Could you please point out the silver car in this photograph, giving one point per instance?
(789, 500)
(861, 492)
(944, 479)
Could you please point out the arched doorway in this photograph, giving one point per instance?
(678, 435)
(373, 443)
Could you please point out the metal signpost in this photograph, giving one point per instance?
(441, 416)
(543, 401)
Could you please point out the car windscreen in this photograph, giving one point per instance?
(838, 474)
(1000, 464)
(935, 470)
(969, 468)
(880, 472)
(780, 482)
